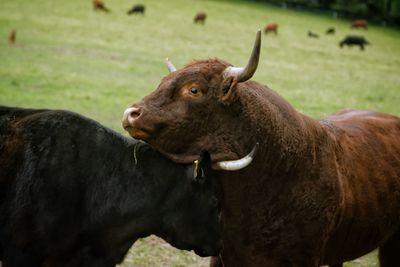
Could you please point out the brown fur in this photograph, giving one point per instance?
(317, 192)
(359, 23)
(272, 27)
(99, 5)
(215, 262)
(200, 17)
(12, 37)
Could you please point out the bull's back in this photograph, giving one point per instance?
(368, 160)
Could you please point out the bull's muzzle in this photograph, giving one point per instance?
(130, 116)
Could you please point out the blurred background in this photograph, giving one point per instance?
(97, 61)
(383, 12)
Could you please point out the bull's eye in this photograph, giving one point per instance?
(194, 90)
(191, 91)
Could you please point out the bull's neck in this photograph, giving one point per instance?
(289, 146)
(287, 138)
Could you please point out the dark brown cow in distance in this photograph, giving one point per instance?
(317, 192)
(359, 23)
(312, 35)
(272, 27)
(99, 5)
(330, 30)
(12, 36)
(200, 17)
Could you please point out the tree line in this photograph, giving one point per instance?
(378, 11)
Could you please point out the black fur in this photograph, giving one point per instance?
(74, 193)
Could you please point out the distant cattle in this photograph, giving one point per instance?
(200, 17)
(354, 40)
(359, 23)
(319, 192)
(12, 37)
(272, 27)
(312, 35)
(139, 8)
(99, 5)
(330, 30)
(74, 193)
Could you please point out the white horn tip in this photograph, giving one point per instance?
(235, 165)
(170, 66)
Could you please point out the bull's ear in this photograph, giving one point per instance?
(202, 166)
(229, 90)
(234, 75)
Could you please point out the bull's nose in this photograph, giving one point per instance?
(130, 115)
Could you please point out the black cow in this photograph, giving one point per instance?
(354, 40)
(139, 8)
(74, 193)
(330, 30)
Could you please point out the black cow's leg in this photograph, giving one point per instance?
(389, 255)
(336, 265)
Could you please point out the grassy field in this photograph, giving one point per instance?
(68, 56)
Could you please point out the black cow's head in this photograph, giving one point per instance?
(192, 219)
(193, 215)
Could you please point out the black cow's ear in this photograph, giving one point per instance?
(201, 166)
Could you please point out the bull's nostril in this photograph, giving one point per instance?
(135, 113)
(131, 114)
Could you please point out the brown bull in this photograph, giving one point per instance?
(317, 192)
(359, 23)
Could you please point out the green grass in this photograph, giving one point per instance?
(68, 56)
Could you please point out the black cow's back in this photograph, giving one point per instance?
(63, 160)
(71, 188)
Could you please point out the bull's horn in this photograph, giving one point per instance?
(235, 165)
(170, 66)
(242, 74)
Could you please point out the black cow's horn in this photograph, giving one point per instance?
(170, 66)
(242, 74)
(235, 165)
